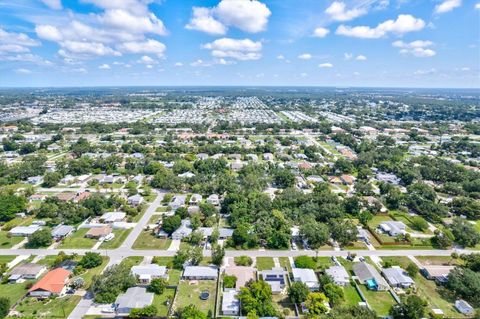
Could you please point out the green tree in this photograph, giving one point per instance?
(145, 312)
(465, 284)
(113, 281)
(352, 312)
(171, 223)
(315, 303)
(4, 306)
(412, 270)
(51, 179)
(316, 234)
(465, 233)
(10, 205)
(190, 312)
(344, 232)
(40, 238)
(218, 252)
(157, 286)
(91, 260)
(256, 297)
(305, 262)
(298, 292)
(334, 293)
(229, 281)
(413, 307)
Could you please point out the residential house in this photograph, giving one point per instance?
(200, 273)
(397, 277)
(275, 278)
(145, 273)
(243, 274)
(339, 275)
(393, 228)
(135, 200)
(213, 199)
(26, 271)
(98, 232)
(438, 273)
(177, 202)
(368, 275)
(307, 276)
(464, 307)
(52, 284)
(111, 217)
(66, 197)
(24, 231)
(183, 231)
(62, 231)
(134, 297)
(195, 199)
(230, 303)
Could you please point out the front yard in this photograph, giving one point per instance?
(77, 240)
(120, 236)
(146, 240)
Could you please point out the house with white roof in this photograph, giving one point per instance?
(134, 297)
(393, 228)
(307, 276)
(24, 231)
(397, 277)
(464, 307)
(111, 217)
(200, 273)
(339, 275)
(230, 303)
(145, 273)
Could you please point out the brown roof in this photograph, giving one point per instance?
(53, 281)
(99, 231)
(82, 196)
(66, 196)
(243, 274)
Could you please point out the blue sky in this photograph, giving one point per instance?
(395, 43)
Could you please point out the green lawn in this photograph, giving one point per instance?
(174, 277)
(14, 292)
(283, 304)
(285, 263)
(188, 292)
(6, 259)
(132, 261)
(7, 241)
(120, 236)
(161, 209)
(160, 301)
(90, 273)
(148, 241)
(439, 260)
(380, 301)
(352, 297)
(47, 260)
(324, 263)
(78, 240)
(162, 260)
(49, 308)
(265, 263)
(154, 219)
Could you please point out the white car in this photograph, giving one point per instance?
(109, 237)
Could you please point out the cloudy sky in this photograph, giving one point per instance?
(397, 43)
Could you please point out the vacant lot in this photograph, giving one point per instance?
(146, 240)
(49, 308)
(78, 240)
(265, 263)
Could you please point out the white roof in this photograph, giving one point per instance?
(151, 270)
(200, 271)
(304, 275)
(338, 273)
(113, 216)
(230, 301)
(134, 297)
(25, 229)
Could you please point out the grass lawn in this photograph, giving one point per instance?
(380, 301)
(6, 259)
(285, 263)
(137, 217)
(148, 241)
(154, 219)
(352, 298)
(160, 301)
(188, 292)
(132, 261)
(439, 260)
(162, 260)
(162, 209)
(174, 277)
(265, 263)
(8, 242)
(283, 304)
(49, 308)
(120, 236)
(324, 263)
(14, 292)
(47, 260)
(77, 240)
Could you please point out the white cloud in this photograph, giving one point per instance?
(23, 71)
(417, 48)
(347, 56)
(125, 20)
(104, 67)
(477, 6)
(149, 46)
(361, 58)
(447, 6)
(425, 72)
(403, 24)
(178, 64)
(356, 73)
(48, 32)
(239, 49)
(325, 65)
(337, 11)
(249, 16)
(280, 57)
(53, 4)
(320, 32)
(16, 42)
(146, 59)
(203, 20)
(88, 48)
(305, 56)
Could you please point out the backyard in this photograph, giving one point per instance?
(380, 301)
(188, 292)
(48, 308)
(163, 302)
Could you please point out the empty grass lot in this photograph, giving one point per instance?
(380, 301)
(265, 263)
(146, 240)
(352, 297)
(132, 261)
(7, 241)
(14, 292)
(49, 308)
(120, 236)
(188, 292)
(78, 240)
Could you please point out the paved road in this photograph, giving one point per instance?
(128, 243)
